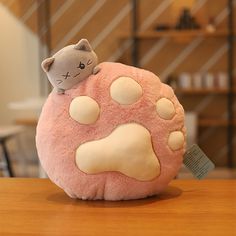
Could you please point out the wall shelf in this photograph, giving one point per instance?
(214, 122)
(222, 35)
(203, 91)
(27, 121)
(151, 34)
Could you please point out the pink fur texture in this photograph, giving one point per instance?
(58, 135)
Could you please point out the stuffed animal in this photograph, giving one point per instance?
(115, 133)
(73, 64)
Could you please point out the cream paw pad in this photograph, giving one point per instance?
(118, 134)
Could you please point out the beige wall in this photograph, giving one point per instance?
(19, 64)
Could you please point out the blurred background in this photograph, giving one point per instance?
(189, 44)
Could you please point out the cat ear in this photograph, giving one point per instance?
(83, 45)
(46, 64)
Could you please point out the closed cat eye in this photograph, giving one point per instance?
(66, 75)
(81, 65)
(89, 62)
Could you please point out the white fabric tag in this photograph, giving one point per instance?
(197, 162)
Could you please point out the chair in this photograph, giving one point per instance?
(7, 132)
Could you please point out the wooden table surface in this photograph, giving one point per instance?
(187, 207)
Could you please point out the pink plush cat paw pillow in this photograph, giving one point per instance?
(118, 134)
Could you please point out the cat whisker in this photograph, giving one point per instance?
(59, 81)
(76, 75)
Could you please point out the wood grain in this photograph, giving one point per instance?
(187, 207)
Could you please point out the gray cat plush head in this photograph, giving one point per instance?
(71, 65)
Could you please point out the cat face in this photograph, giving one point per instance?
(70, 65)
